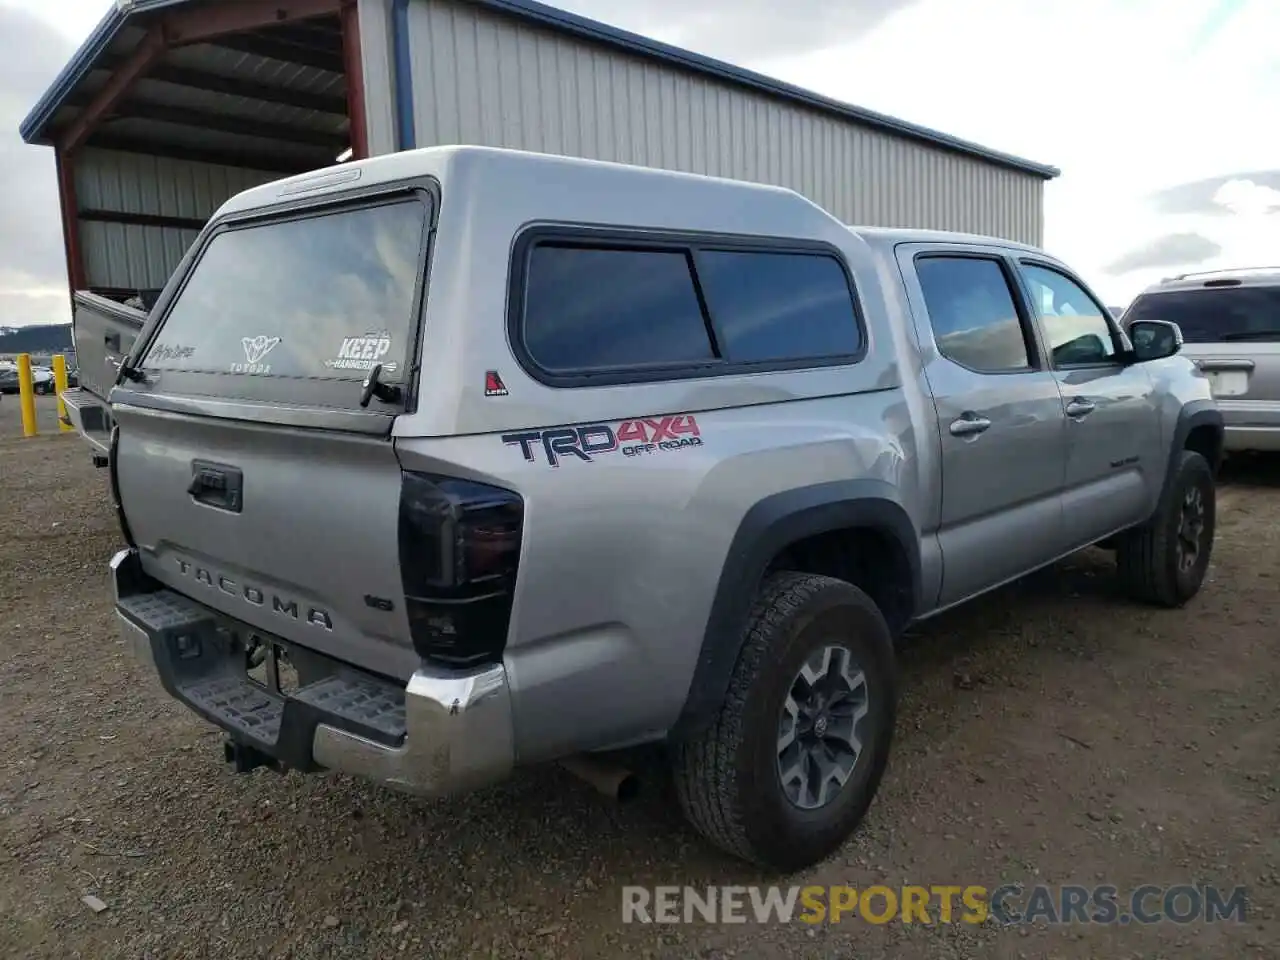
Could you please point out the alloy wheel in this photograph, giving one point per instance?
(819, 740)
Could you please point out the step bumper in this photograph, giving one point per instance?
(441, 733)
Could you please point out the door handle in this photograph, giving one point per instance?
(1079, 407)
(969, 425)
(111, 341)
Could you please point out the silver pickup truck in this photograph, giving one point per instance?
(461, 459)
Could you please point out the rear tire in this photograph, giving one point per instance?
(817, 665)
(1164, 561)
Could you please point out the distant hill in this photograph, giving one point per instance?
(47, 338)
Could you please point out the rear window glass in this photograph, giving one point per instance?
(1215, 314)
(323, 297)
(779, 306)
(594, 308)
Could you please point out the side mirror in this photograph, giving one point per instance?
(1086, 348)
(1154, 339)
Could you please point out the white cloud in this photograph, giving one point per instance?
(1117, 94)
(1247, 199)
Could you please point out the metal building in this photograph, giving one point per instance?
(172, 106)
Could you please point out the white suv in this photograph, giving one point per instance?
(1230, 321)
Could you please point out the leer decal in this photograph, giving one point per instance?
(493, 385)
(363, 353)
(634, 438)
(255, 349)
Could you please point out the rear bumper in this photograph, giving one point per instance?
(1251, 425)
(442, 733)
(89, 416)
(1261, 439)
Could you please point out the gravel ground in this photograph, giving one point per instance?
(1050, 733)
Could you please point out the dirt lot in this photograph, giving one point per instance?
(1052, 733)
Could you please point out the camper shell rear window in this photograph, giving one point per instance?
(318, 297)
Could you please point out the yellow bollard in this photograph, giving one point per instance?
(59, 386)
(27, 395)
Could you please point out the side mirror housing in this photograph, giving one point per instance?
(1154, 339)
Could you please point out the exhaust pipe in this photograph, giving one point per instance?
(610, 779)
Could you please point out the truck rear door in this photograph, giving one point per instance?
(255, 472)
(104, 332)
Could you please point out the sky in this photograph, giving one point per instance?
(1160, 115)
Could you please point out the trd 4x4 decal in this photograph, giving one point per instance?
(633, 437)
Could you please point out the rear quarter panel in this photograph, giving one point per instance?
(622, 555)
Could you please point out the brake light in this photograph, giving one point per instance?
(459, 549)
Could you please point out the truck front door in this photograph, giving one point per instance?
(1116, 461)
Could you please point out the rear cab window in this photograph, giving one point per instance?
(298, 308)
(1217, 314)
(974, 316)
(651, 311)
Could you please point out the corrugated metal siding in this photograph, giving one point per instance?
(130, 256)
(487, 79)
(379, 76)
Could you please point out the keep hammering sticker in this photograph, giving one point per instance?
(363, 353)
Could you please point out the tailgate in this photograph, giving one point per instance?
(104, 332)
(255, 467)
(1239, 371)
(299, 540)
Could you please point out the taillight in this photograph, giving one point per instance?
(113, 465)
(459, 550)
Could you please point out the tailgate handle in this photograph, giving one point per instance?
(217, 485)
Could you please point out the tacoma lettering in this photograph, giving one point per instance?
(254, 595)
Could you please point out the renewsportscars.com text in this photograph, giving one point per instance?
(1004, 905)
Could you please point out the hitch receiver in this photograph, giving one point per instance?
(244, 758)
